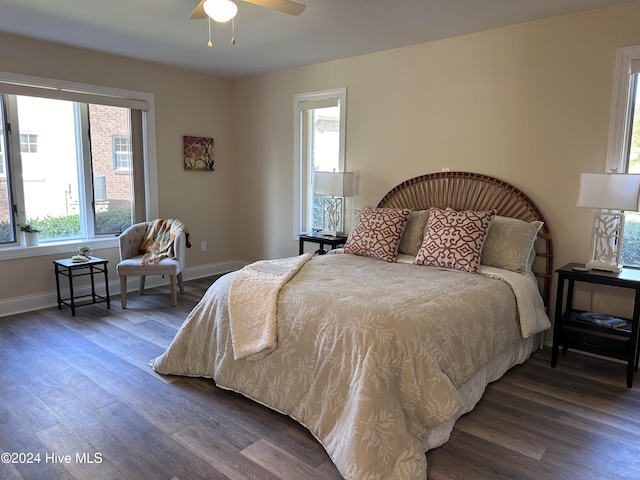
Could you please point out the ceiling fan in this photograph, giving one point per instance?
(286, 6)
(224, 10)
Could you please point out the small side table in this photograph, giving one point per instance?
(620, 343)
(316, 237)
(70, 269)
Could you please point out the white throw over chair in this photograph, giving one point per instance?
(131, 256)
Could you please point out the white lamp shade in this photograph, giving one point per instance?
(220, 10)
(335, 184)
(610, 191)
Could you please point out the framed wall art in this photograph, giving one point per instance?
(198, 153)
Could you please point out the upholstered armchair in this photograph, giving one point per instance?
(131, 257)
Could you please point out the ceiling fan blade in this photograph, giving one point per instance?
(286, 6)
(198, 12)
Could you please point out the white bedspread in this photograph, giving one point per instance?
(533, 317)
(370, 355)
(532, 313)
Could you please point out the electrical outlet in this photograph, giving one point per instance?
(203, 246)
(446, 169)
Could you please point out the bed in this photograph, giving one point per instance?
(378, 357)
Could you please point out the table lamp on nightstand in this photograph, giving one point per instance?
(334, 186)
(612, 194)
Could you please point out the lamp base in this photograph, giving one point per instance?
(607, 267)
(606, 250)
(333, 211)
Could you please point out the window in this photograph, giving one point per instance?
(99, 188)
(319, 144)
(623, 154)
(76, 157)
(121, 153)
(28, 143)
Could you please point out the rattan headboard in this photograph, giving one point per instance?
(471, 191)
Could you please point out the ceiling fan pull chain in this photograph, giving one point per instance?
(209, 43)
(233, 31)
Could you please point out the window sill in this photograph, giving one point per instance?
(55, 248)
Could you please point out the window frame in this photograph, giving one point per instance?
(302, 178)
(16, 84)
(621, 109)
(2, 153)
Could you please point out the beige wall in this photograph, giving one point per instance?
(529, 104)
(186, 103)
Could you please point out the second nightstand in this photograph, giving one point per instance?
(620, 343)
(316, 237)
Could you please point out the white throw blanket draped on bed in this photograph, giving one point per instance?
(253, 302)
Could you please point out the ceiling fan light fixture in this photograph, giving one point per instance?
(220, 10)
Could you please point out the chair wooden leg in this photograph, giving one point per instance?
(141, 284)
(180, 282)
(174, 298)
(123, 291)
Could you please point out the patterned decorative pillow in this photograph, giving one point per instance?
(413, 234)
(454, 239)
(377, 233)
(509, 243)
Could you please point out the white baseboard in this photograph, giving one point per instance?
(13, 306)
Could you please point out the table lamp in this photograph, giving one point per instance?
(612, 193)
(334, 186)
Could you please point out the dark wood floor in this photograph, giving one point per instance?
(81, 386)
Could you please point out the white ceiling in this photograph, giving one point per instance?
(266, 40)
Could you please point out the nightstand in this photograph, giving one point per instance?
(316, 237)
(70, 269)
(568, 332)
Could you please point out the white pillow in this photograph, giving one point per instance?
(509, 243)
(414, 232)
